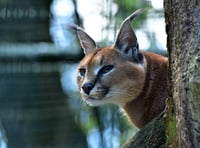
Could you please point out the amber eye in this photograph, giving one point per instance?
(105, 69)
(82, 72)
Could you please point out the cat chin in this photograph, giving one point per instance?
(95, 102)
(102, 101)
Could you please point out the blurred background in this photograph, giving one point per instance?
(39, 101)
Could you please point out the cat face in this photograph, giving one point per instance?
(106, 76)
(112, 74)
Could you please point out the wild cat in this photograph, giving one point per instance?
(124, 75)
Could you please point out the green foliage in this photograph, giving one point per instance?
(90, 124)
(4, 2)
(126, 7)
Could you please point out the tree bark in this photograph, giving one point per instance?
(182, 119)
(151, 136)
(183, 43)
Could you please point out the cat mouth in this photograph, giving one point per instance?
(98, 95)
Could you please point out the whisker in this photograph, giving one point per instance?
(120, 92)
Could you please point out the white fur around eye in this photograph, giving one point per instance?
(96, 70)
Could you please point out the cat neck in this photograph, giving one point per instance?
(151, 101)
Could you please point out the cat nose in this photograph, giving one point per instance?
(87, 87)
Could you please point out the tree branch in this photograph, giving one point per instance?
(152, 135)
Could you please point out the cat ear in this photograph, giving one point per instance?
(126, 41)
(87, 43)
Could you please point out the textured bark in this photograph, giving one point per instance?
(182, 119)
(183, 43)
(151, 136)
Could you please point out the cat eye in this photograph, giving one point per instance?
(82, 71)
(105, 69)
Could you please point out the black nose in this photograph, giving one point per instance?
(87, 87)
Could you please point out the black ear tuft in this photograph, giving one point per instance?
(87, 43)
(126, 41)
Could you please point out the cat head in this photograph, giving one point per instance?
(111, 74)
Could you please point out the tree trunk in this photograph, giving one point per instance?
(182, 118)
(183, 43)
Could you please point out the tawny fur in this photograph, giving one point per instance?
(135, 80)
(145, 87)
(151, 101)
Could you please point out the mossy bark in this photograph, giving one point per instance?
(183, 43)
(170, 124)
